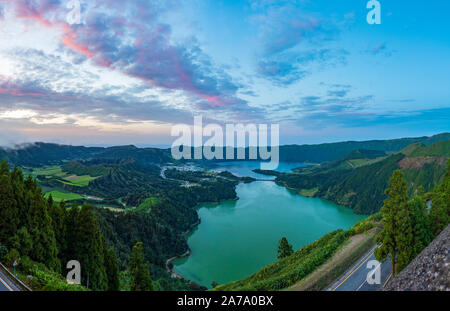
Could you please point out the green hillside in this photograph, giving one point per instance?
(437, 149)
(362, 187)
(291, 269)
(294, 268)
(39, 154)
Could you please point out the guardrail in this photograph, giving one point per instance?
(15, 279)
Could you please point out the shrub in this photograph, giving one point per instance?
(3, 252)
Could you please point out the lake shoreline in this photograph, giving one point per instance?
(228, 231)
(194, 226)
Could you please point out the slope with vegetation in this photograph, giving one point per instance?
(407, 226)
(361, 187)
(43, 236)
(294, 267)
(39, 154)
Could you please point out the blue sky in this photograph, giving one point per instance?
(130, 70)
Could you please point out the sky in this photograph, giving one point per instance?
(131, 70)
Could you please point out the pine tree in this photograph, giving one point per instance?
(440, 206)
(20, 196)
(41, 231)
(421, 227)
(8, 209)
(405, 237)
(284, 248)
(70, 227)
(140, 273)
(112, 269)
(391, 240)
(57, 214)
(22, 241)
(88, 250)
(438, 212)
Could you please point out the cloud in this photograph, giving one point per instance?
(380, 49)
(287, 68)
(292, 40)
(128, 37)
(339, 90)
(282, 26)
(158, 78)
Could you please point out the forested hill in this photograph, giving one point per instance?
(39, 154)
(333, 151)
(360, 183)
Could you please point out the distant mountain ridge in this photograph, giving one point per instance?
(46, 153)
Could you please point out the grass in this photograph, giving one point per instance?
(55, 171)
(313, 266)
(362, 162)
(114, 209)
(147, 205)
(350, 252)
(308, 192)
(59, 196)
(78, 181)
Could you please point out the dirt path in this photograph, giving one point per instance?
(344, 252)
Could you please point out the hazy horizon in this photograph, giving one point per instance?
(162, 146)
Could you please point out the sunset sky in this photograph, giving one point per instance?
(132, 69)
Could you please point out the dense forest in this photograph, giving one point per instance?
(358, 180)
(163, 212)
(43, 236)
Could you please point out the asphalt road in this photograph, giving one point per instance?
(356, 278)
(6, 285)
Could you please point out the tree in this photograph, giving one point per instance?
(438, 213)
(22, 240)
(391, 239)
(284, 248)
(421, 226)
(58, 215)
(41, 231)
(140, 273)
(3, 252)
(8, 210)
(440, 205)
(405, 237)
(89, 249)
(112, 269)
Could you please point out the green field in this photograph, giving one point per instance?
(148, 204)
(59, 196)
(49, 171)
(55, 171)
(308, 192)
(79, 181)
(362, 162)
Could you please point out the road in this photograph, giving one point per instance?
(355, 279)
(6, 285)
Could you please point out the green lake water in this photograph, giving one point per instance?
(237, 238)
